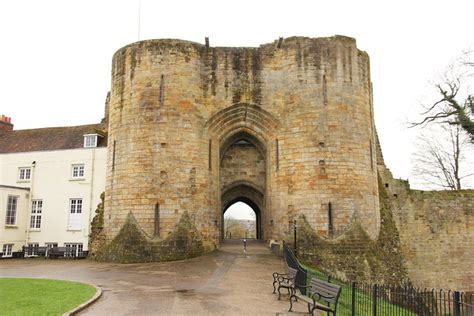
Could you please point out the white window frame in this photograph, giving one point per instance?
(10, 210)
(78, 171)
(90, 140)
(75, 214)
(78, 249)
(36, 214)
(24, 174)
(50, 245)
(7, 251)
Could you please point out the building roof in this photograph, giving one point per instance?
(51, 138)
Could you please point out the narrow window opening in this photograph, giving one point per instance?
(157, 219)
(330, 224)
(277, 149)
(210, 154)
(113, 155)
(371, 156)
(162, 90)
(325, 93)
(386, 185)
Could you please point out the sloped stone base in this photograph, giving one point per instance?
(131, 245)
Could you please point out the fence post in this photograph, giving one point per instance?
(353, 298)
(374, 300)
(457, 304)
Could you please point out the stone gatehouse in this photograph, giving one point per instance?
(286, 127)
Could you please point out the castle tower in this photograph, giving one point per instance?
(286, 127)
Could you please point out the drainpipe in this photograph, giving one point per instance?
(30, 199)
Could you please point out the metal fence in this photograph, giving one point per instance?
(388, 300)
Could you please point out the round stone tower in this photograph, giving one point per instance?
(286, 127)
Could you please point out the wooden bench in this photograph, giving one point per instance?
(276, 275)
(322, 295)
(286, 281)
(56, 252)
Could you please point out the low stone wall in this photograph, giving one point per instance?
(436, 233)
(437, 237)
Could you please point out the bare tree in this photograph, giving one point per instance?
(442, 159)
(233, 228)
(455, 106)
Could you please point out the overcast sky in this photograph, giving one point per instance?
(55, 56)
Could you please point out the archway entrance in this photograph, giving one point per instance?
(243, 176)
(242, 135)
(240, 221)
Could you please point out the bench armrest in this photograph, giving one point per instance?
(283, 278)
(277, 274)
(316, 297)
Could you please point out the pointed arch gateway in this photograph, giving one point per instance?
(243, 135)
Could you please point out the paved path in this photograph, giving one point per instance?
(225, 282)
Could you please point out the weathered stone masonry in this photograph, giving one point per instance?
(182, 114)
(285, 128)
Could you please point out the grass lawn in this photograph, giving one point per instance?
(363, 299)
(41, 296)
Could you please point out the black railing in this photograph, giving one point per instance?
(374, 299)
(292, 262)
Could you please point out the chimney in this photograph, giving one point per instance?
(5, 123)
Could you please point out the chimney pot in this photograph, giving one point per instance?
(6, 123)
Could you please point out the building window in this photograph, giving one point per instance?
(90, 140)
(73, 250)
(32, 249)
(50, 245)
(77, 171)
(75, 212)
(7, 250)
(12, 205)
(24, 174)
(36, 211)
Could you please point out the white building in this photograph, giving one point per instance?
(51, 180)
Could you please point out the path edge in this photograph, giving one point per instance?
(97, 295)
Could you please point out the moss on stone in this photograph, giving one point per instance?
(354, 255)
(97, 236)
(131, 245)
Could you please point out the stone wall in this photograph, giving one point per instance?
(437, 235)
(436, 231)
(176, 107)
(354, 256)
(243, 162)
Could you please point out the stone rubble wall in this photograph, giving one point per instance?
(436, 231)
